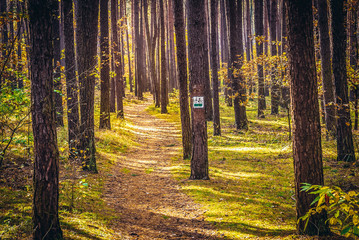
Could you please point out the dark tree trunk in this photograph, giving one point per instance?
(57, 75)
(327, 76)
(224, 33)
(236, 46)
(45, 217)
(275, 89)
(86, 36)
(214, 60)
(138, 50)
(307, 150)
(345, 145)
(73, 118)
(4, 37)
(258, 11)
(207, 87)
(197, 41)
(117, 59)
(105, 122)
(112, 66)
(183, 84)
(353, 50)
(163, 61)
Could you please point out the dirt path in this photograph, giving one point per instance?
(148, 201)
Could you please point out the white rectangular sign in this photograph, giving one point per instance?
(198, 102)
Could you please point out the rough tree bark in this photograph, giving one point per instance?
(327, 76)
(73, 118)
(105, 122)
(275, 89)
(307, 150)
(163, 61)
(57, 76)
(45, 217)
(86, 37)
(117, 59)
(258, 11)
(345, 145)
(196, 54)
(182, 77)
(236, 46)
(214, 60)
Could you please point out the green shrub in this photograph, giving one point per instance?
(342, 207)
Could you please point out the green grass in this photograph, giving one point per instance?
(251, 188)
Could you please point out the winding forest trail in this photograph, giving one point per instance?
(147, 200)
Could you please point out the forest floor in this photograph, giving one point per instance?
(142, 191)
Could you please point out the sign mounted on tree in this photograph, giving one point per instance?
(198, 102)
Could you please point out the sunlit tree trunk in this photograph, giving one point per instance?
(163, 61)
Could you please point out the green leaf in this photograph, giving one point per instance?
(345, 230)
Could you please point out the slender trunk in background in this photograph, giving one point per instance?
(86, 39)
(130, 78)
(236, 46)
(327, 75)
(57, 76)
(4, 37)
(207, 86)
(197, 41)
(182, 77)
(73, 118)
(353, 51)
(275, 89)
(307, 149)
(258, 11)
(163, 61)
(345, 145)
(214, 60)
(117, 59)
(45, 216)
(105, 122)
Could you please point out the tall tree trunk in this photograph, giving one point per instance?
(197, 41)
(236, 46)
(259, 47)
(86, 36)
(207, 86)
(73, 118)
(345, 145)
(183, 84)
(57, 75)
(105, 122)
(327, 76)
(130, 78)
(45, 216)
(117, 59)
(163, 62)
(307, 150)
(214, 60)
(275, 89)
(353, 50)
